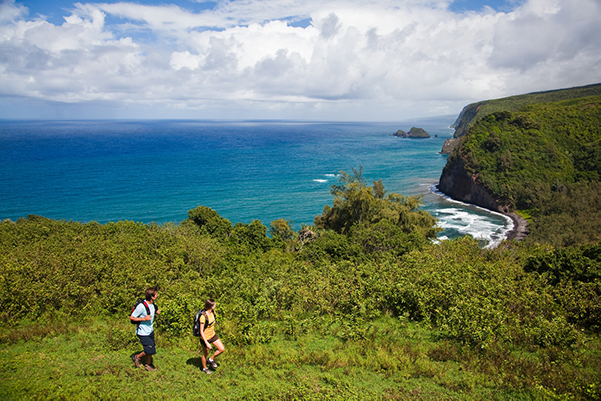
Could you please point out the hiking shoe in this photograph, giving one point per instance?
(212, 364)
(136, 360)
(207, 371)
(150, 368)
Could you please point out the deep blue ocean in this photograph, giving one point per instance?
(155, 171)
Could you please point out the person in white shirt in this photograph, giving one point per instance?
(144, 314)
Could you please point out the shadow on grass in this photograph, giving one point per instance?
(195, 362)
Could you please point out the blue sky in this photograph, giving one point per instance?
(55, 10)
(367, 60)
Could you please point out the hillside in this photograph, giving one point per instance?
(543, 159)
(476, 111)
(361, 306)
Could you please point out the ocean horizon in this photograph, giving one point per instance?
(156, 170)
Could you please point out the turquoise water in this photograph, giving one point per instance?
(149, 171)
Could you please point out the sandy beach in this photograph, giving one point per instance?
(520, 227)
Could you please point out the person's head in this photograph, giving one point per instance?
(209, 304)
(151, 292)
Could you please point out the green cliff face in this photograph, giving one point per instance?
(543, 157)
(476, 111)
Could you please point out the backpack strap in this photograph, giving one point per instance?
(146, 306)
(206, 315)
(147, 311)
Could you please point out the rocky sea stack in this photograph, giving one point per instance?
(413, 133)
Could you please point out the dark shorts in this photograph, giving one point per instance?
(148, 344)
(210, 340)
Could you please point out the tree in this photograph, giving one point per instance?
(210, 221)
(282, 228)
(251, 236)
(357, 204)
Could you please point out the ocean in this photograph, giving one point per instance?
(155, 171)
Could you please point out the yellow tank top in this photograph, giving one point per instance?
(210, 331)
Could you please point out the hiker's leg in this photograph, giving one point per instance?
(142, 354)
(220, 348)
(205, 354)
(149, 348)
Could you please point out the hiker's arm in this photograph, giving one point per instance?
(202, 334)
(141, 319)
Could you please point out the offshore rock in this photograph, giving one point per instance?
(413, 133)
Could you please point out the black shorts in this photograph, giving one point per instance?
(210, 340)
(148, 344)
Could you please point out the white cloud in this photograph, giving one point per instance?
(543, 31)
(356, 60)
(181, 60)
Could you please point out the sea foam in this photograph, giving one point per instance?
(155, 171)
(477, 223)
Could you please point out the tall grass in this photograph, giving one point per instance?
(397, 360)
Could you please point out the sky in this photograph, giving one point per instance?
(313, 60)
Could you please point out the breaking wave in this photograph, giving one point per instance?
(459, 218)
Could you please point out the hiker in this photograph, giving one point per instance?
(208, 336)
(144, 314)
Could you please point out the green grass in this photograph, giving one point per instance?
(476, 111)
(525, 214)
(398, 360)
(448, 321)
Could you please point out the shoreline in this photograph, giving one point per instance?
(518, 232)
(520, 227)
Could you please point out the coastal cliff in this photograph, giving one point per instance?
(476, 111)
(449, 145)
(542, 159)
(457, 183)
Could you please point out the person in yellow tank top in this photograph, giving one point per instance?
(208, 338)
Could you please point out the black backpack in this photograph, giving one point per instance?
(196, 323)
(138, 302)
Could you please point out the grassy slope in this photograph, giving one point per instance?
(476, 111)
(400, 360)
(373, 315)
(449, 321)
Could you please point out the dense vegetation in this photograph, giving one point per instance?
(361, 306)
(474, 112)
(545, 160)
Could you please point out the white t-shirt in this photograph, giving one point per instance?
(145, 327)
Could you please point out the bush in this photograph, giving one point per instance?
(177, 314)
(384, 238)
(210, 221)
